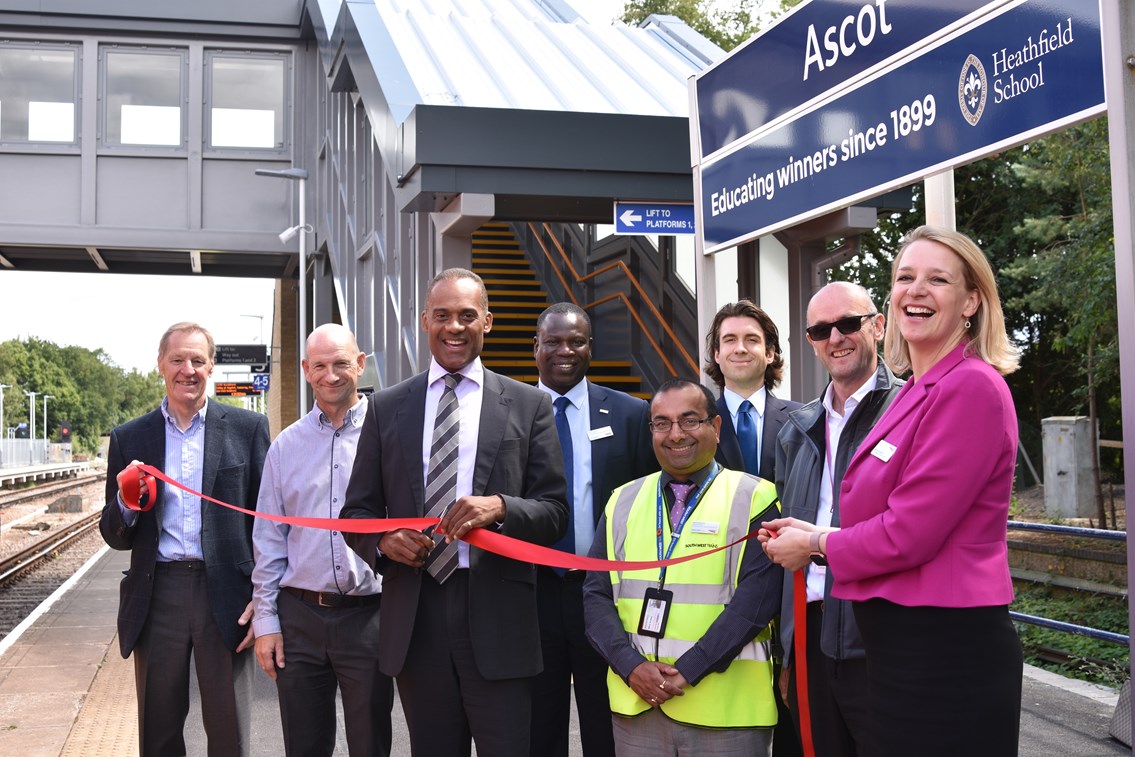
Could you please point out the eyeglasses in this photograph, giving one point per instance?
(663, 425)
(846, 326)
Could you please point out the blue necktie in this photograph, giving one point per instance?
(567, 542)
(747, 438)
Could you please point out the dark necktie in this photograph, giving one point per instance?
(681, 494)
(567, 541)
(747, 438)
(441, 479)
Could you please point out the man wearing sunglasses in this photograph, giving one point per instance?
(812, 453)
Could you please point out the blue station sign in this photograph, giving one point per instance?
(819, 46)
(1016, 74)
(654, 217)
(260, 381)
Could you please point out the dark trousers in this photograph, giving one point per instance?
(180, 624)
(838, 697)
(944, 681)
(569, 660)
(446, 699)
(328, 648)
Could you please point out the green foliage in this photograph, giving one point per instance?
(1097, 661)
(87, 389)
(725, 24)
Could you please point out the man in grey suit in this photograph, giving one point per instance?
(610, 444)
(188, 590)
(461, 636)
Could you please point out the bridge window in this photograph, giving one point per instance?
(247, 95)
(37, 93)
(144, 93)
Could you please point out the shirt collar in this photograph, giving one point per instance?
(199, 415)
(576, 395)
(473, 371)
(733, 401)
(353, 417)
(851, 402)
(698, 477)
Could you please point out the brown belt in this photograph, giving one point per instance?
(331, 599)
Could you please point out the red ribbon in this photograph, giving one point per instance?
(490, 541)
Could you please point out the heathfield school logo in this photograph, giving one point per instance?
(973, 89)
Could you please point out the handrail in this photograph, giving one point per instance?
(1059, 625)
(630, 308)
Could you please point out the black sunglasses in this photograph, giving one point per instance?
(846, 326)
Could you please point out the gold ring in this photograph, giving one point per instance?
(469, 525)
(662, 685)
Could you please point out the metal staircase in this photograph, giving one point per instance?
(516, 299)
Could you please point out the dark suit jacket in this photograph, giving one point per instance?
(729, 449)
(235, 444)
(519, 458)
(626, 455)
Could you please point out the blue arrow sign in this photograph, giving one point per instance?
(654, 217)
(260, 382)
(1013, 76)
(817, 47)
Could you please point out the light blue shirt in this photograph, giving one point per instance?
(578, 414)
(305, 475)
(469, 393)
(733, 402)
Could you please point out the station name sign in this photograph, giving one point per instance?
(1016, 74)
(819, 46)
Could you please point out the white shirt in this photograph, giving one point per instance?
(836, 424)
(469, 395)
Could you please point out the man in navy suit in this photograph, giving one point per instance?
(610, 445)
(459, 631)
(743, 358)
(189, 587)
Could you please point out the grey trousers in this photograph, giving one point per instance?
(180, 625)
(652, 734)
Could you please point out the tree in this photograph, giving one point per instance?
(726, 24)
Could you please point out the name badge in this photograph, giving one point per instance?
(655, 610)
(600, 433)
(701, 527)
(883, 450)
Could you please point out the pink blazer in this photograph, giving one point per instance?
(925, 500)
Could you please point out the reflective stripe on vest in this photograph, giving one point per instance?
(741, 696)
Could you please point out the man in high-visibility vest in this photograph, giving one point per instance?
(688, 645)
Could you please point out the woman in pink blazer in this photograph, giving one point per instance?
(924, 504)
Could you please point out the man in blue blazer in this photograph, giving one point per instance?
(610, 444)
(189, 586)
(459, 629)
(743, 358)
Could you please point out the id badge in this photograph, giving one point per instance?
(655, 610)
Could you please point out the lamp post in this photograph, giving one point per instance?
(46, 397)
(300, 175)
(3, 425)
(31, 425)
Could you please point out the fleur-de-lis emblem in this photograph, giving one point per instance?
(973, 89)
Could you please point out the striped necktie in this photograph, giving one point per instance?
(441, 480)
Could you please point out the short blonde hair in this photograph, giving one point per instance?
(988, 339)
(187, 327)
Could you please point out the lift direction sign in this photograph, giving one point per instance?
(654, 218)
(242, 354)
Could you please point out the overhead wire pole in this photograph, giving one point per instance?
(1118, 31)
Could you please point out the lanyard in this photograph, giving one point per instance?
(677, 532)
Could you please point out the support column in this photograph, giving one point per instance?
(283, 392)
(453, 228)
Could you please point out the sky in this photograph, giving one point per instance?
(126, 315)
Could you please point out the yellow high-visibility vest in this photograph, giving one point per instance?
(742, 695)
